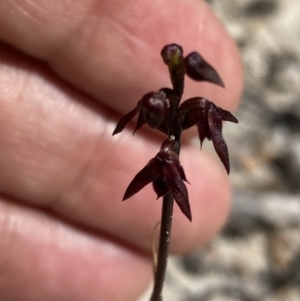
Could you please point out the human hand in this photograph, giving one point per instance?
(67, 70)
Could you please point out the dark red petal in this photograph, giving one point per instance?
(194, 110)
(152, 119)
(189, 120)
(227, 116)
(147, 175)
(181, 171)
(199, 70)
(160, 188)
(126, 118)
(215, 125)
(141, 120)
(172, 178)
(195, 103)
(183, 203)
(203, 130)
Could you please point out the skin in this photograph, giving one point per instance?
(68, 71)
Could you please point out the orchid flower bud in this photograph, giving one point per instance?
(154, 108)
(173, 57)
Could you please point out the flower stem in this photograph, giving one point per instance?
(163, 249)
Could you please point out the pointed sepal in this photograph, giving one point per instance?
(141, 120)
(199, 70)
(227, 116)
(174, 181)
(160, 188)
(147, 175)
(215, 126)
(126, 118)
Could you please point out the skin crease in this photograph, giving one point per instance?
(67, 71)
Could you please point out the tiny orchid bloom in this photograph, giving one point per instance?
(152, 109)
(166, 174)
(193, 65)
(208, 118)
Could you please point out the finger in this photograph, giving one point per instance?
(111, 49)
(57, 152)
(43, 258)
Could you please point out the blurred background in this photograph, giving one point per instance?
(257, 255)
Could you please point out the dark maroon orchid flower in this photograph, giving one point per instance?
(193, 65)
(208, 118)
(166, 174)
(161, 110)
(152, 109)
